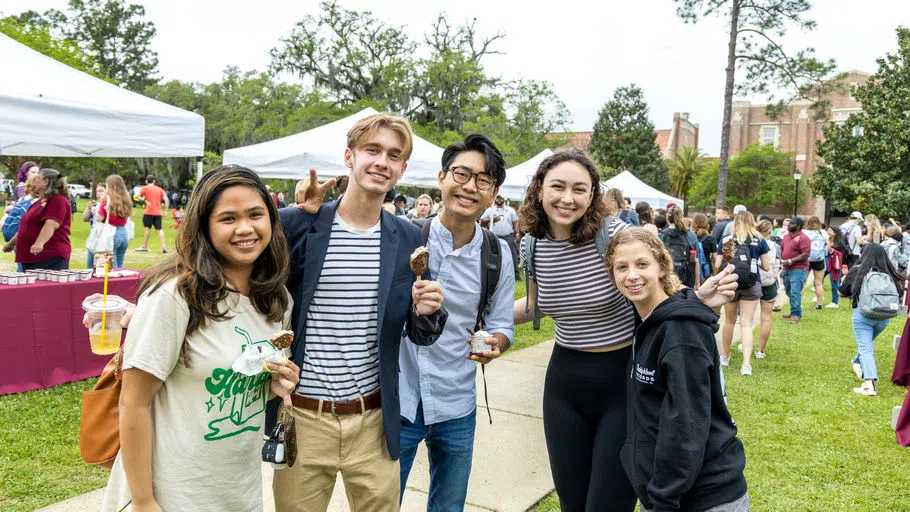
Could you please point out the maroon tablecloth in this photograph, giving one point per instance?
(43, 342)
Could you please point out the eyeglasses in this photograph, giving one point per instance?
(463, 175)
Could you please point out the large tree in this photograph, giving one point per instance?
(118, 37)
(623, 139)
(757, 29)
(760, 177)
(867, 158)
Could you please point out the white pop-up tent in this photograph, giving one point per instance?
(322, 148)
(637, 190)
(519, 177)
(50, 109)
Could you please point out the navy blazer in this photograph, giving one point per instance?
(308, 240)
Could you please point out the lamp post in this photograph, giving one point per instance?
(796, 177)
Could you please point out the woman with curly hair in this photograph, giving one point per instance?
(584, 402)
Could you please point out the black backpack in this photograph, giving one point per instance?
(744, 265)
(678, 246)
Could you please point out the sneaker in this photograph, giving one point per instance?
(794, 319)
(747, 370)
(814, 299)
(785, 317)
(760, 355)
(833, 305)
(776, 308)
(818, 307)
(858, 370)
(868, 388)
(740, 348)
(725, 361)
(163, 250)
(142, 249)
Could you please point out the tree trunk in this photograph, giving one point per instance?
(723, 169)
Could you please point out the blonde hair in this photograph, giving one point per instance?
(892, 230)
(670, 281)
(118, 198)
(30, 185)
(744, 227)
(614, 201)
(765, 228)
(875, 226)
(368, 126)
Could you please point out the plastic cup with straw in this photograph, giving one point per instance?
(104, 338)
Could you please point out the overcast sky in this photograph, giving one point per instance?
(584, 48)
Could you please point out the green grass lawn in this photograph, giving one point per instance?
(811, 443)
(79, 232)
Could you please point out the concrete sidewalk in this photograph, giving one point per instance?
(510, 471)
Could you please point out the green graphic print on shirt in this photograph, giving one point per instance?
(237, 398)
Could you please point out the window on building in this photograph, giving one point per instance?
(769, 136)
(857, 131)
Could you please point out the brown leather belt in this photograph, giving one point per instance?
(371, 401)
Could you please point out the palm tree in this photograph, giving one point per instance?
(683, 168)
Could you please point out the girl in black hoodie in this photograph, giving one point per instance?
(681, 450)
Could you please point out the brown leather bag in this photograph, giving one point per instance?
(99, 430)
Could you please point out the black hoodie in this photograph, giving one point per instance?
(681, 450)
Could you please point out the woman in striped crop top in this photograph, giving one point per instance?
(584, 402)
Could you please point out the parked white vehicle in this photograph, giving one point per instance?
(77, 190)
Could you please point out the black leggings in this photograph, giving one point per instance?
(584, 420)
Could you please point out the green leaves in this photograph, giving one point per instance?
(868, 156)
(623, 139)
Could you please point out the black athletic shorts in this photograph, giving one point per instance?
(769, 293)
(151, 221)
(817, 265)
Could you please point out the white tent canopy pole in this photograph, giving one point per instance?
(322, 148)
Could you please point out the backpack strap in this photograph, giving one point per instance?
(602, 240)
(490, 268)
(425, 230)
(530, 244)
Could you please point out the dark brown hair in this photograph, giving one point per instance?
(198, 266)
(532, 215)
(675, 217)
(643, 209)
(700, 221)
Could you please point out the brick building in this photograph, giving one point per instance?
(681, 133)
(795, 131)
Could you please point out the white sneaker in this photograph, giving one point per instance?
(833, 305)
(746, 369)
(858, 370)
(760, 355)
(740, 348)
(867, 389)
(814, 299)
(725, 361)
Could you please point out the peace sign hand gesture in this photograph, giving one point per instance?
(309, 193)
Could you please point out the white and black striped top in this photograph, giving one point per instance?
(341, 361)
(574, 289)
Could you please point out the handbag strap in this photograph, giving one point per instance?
(107, 210)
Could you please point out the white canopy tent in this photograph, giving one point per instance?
(637, 190)
(519, 177)
(50, 109)
(322, 148)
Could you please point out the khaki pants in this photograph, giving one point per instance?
(353, 444)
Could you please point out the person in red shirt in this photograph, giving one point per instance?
(116, 208)
(153, 195)
(795, 248)
(43, 239)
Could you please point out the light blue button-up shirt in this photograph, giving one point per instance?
(440, 375)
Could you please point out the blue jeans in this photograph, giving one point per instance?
(835, 286)
(121, 243)
(450, 446)
(793, 285)
(865, 330)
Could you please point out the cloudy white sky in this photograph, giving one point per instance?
(584, 48)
